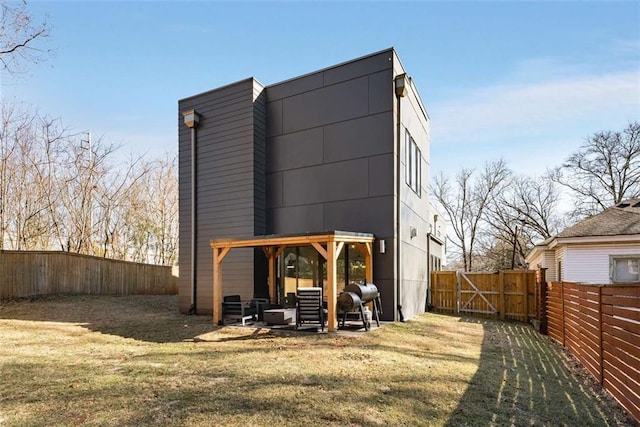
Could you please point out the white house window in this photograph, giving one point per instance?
(624, 268)
(413, 164)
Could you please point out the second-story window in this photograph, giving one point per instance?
(413, 164)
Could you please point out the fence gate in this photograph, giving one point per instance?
(479, 297)
(508, 294)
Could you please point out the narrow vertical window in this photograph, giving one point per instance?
(418, 187)
(407, 157)
(413, 164)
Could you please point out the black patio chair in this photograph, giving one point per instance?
(233, 307)
(309, 307)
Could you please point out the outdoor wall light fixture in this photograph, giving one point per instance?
(401, 85)
(383, 246)
(191, 118)
(413, 232)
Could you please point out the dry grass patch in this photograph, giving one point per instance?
(135, 360)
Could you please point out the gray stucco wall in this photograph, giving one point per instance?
(230, 196)
(330, 156)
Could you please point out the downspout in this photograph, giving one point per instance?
(400, 91)
(191, 120)
(433, 230)
(429, 266)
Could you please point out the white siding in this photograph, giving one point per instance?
(590, 264)
(537, 262)
(549, 262)
(560, 259)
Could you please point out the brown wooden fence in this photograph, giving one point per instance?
(26, 274)
(444, 291)
(600, 326)
(508, 294)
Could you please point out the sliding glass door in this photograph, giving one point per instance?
(303, 266)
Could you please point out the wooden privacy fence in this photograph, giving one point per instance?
(600, 326)
(508, 294)
(26, 274)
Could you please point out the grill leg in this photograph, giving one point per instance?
(376, 302)
(343, 320)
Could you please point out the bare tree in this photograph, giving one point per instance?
(117, 199)
(536, 201)
(19, 36)
(28, 161)
(29, 219)
(163, 197)
(605, 171)
(149, 213)
(85, 164)
(525, 212)
(60, 190)
(12, 126)
(466, 202)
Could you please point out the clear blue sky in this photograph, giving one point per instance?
(527, 81)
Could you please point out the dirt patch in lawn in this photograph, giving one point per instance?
(88, 360)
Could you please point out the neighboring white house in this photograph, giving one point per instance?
(603, 249)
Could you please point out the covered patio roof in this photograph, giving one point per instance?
(329, 244)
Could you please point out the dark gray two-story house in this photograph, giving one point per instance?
(343, 148)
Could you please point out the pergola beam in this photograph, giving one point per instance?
(321, 250)
(273, 253)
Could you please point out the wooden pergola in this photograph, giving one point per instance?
(329, 244)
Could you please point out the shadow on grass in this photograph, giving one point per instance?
(148, 318)
(525, 379)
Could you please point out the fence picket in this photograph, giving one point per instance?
(25, 274)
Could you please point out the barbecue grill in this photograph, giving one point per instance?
(353, 301)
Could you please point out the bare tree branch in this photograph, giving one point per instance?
(58, 191)
(605, 171)
(19, 36)
(466, 205)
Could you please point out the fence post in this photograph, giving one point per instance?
(501, 302)
(601, 352)
(564, 322)
(543, 310)
(525, 284)
(457, 302)
(541, 286)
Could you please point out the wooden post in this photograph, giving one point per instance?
(502, 306)
(272, 275)
(600, 350)
(525, 284)
(217, 287)
(332, 293)
(564, 322)
(542, 300)
(368, 262)
(218, 256)
(368, 268)
(457, 295)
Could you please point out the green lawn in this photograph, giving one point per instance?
(85, 360)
